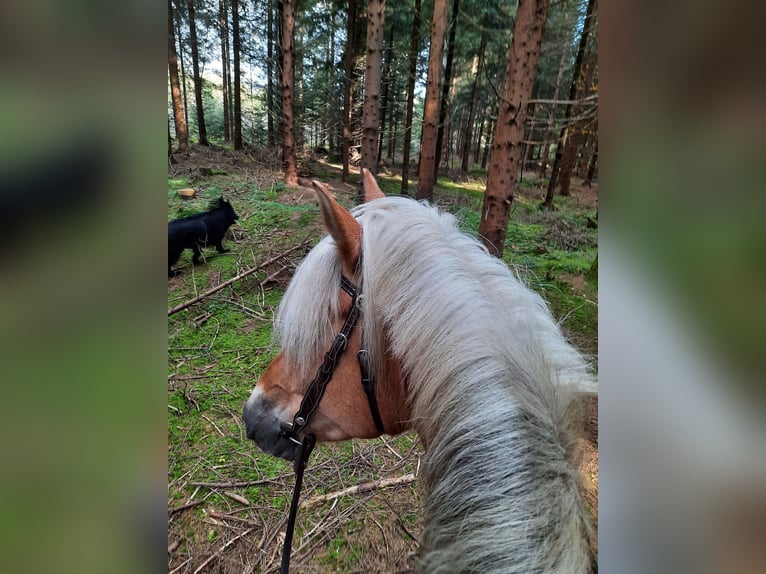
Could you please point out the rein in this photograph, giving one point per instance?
(311, 400)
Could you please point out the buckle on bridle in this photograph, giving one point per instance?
(286, 431)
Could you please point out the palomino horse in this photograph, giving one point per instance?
(458, 349)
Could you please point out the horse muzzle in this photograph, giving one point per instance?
(263, 425)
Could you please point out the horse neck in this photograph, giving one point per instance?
(502, 496)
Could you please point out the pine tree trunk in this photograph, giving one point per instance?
(576, 79)
(197, 79)
(330, 117)
(371, 118)
(348, 82)
(506, 149)
(288, 57)
(446, 100)
(385, 91)
(427, 169)
(577, 135)
(279, 30)
(445, 150)
(552, 113)
(477, 147)
(472, 113)
(393, 119)
(181, 66)
(182, 133)
(270, 74)
(410, 97)
(223, 21)
(237, 87)
(592, 167)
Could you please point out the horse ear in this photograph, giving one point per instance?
(342, 227)
(370, 186)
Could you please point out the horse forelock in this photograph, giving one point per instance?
(303, 323)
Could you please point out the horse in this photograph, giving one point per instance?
(458, 349)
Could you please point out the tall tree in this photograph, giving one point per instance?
(237, 88)
(564, 134)
(410, 96)
(376, 13)
(386, 89)
(509, 132)
(349, 58)
(427, 170)
(552, 113)
(445, 99)
(472, 104)
(577, 126)
(223, 23)
(182, 133)
(182, 67)
(197, 79)
(288, 75)
(271, 139)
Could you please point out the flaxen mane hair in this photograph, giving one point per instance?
(490, 380)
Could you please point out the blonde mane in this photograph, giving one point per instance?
(490, 382)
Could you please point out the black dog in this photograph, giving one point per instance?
(199, 230)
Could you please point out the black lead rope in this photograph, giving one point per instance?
(310, 402)
(300, 465)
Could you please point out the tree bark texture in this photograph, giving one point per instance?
(182, 133)
(371, 116)
(288, 72)
(509, 132)
(223, 22)
(446, 101)
(564, 134)
(410, 96)
(182, 67)
(427, 169)
(237, 87)
(197, 79)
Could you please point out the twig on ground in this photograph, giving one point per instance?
(360, 488)
(220, 432)
(236, 278)
(388, 446)
(240, 484)
(210, 558)
(273, 276)
(222, 516)
(176, 509)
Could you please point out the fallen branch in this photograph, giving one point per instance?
(225, 284)
(241, 484)
(175, 509)
(360, 488)
(210, 558)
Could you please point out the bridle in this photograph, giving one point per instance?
(312, 398)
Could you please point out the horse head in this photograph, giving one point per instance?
(313, 312)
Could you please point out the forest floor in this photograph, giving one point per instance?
(227, 501)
